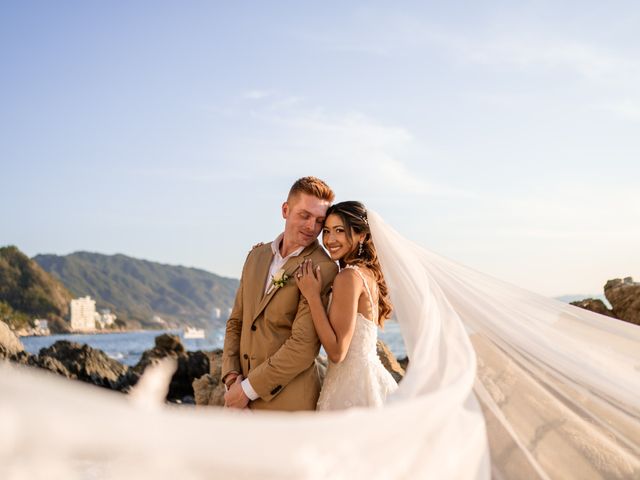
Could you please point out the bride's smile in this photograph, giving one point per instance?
(335, 238)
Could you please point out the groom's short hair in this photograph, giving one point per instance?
(311, 186)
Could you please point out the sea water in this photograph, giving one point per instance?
(127, 347)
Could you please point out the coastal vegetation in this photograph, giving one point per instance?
(142, 293)
(28, 292)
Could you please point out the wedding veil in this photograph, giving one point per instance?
(559, 386)
(501, 383)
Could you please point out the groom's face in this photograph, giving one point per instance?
(304, 215)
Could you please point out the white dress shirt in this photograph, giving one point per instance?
(276, 264)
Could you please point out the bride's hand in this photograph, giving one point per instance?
(309, 279)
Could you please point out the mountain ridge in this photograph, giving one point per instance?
(139, 290)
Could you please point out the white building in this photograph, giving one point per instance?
(106, 318)
(41, 327)
(83, 314)
(217, 313)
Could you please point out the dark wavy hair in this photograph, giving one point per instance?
(354, 218)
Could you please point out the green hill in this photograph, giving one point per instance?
(139, 290)
(28, 292)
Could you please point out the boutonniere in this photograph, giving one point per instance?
(278, 280)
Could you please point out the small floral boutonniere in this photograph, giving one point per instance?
(278, 280)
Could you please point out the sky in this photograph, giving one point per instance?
(502, 135)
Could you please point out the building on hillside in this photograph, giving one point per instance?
(41, 327)
(105, 318)
(83, 314)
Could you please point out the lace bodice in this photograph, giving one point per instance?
(360, 379)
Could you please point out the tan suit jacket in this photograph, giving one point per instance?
(270, 338)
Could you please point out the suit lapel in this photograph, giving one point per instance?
(289, 268)
(260, 273)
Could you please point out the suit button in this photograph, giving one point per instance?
(276, 390)
(245, 356)
(254, 328)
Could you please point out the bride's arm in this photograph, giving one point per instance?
(335, 330)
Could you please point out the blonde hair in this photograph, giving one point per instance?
(311, 186)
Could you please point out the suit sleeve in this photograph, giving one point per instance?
(298, 352)
(231, 348)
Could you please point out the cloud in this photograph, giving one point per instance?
(575, 211)
(382, 156)
(257, 94)
(589, 61)
(515, 44)
(627, 108)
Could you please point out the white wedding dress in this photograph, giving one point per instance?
(360, 380)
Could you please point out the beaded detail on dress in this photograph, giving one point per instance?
(360, 379)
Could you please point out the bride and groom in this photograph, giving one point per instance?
(293, 297)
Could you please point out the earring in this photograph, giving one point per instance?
(360, 250)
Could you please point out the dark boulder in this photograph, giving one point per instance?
(190, 366)
(624, 297)
(209, 389)
(595, 305)
(90, 365)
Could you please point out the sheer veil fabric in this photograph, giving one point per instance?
(502, 383)
(559, 386)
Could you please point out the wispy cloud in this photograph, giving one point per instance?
(376, 154)
(626, 108)
(535, 52)
(257, 94)
(522, 46)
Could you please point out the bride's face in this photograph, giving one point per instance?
(335, 238)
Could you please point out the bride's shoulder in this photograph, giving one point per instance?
(358, 270)
(349, 274)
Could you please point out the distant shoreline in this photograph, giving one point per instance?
(97, 332)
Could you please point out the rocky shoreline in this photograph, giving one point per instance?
(624, 296)
(196, 380)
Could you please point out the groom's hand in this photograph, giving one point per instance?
(235, 396)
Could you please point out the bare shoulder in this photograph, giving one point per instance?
(366, 271)
(347, 277)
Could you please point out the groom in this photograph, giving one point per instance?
(270, 346)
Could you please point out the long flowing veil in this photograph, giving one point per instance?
(559, 385)
(501, 383)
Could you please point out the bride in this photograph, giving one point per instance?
(359, 304)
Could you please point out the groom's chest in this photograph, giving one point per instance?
(261, 298)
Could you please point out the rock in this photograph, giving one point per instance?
(74, 360)
(191, 365)
(595, 305)
(208, 389)
(169, 343)
(53, 365)
(47, 363)
(404, 362)
(9, 343)
(624, 297)
(389, 361)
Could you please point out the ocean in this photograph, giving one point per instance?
(127, 347)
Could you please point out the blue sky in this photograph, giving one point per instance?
(503, 136)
